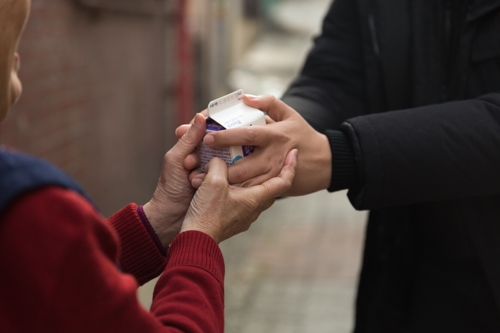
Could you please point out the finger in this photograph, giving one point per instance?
(216, 171)
(269, 120)
(196, 178)
(197, 181)
(192, 161)
(190, 140)
(244, 136)
(277, 186)
(251, 167)
(204, 113)
(274, 107)
(257, 180)
(181, 130)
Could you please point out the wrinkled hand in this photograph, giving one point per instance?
(285, 130)
(221, 210)
(173, 194)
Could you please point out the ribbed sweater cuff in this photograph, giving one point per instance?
(139, 254)
(151, 231)
(344, 172)
(194, 248)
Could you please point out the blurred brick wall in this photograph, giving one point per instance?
(98, 97)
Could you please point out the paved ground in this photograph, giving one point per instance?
(296, 269)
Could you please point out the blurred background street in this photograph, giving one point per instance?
(106, 82)
(296, 269)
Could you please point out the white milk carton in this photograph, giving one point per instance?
(229, 112)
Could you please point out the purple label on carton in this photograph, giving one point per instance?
(212, 125)
(207, 153)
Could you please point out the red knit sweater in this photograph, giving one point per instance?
(58, 271)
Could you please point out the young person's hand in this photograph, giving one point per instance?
(221, 210)
(173, 194)
(285, 130)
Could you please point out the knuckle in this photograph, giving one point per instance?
(287, 185)
(168, 157)
(217, 182)
(251, 135)
(272, 98)
(274, 101)
(186, 138)
(281, 136)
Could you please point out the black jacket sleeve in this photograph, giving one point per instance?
(432, 153)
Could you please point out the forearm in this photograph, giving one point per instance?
(190, 293)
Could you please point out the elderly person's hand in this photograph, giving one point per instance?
(173, 194)
(221, 210)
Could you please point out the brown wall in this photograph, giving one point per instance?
(99, 97)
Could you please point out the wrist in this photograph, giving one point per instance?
(205, 224)
(325, 162)
(150, 230)
(314, 167)
(206, 231)
(166, 226)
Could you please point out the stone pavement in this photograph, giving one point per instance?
(296, 269)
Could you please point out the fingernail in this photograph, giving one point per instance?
(197, 121)
(252, 97)
(196, 182)
(209, 139)
(292, 156)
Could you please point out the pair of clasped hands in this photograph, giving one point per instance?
(290, 158)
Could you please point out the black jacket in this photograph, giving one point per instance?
(415, 87)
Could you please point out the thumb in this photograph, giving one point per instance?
(274, 107)
(190, 140)
(181, 130)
